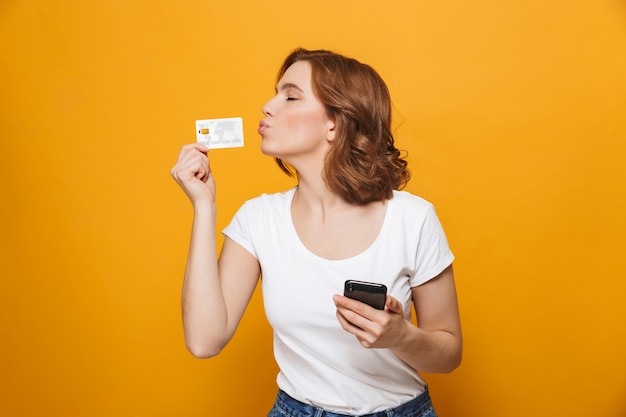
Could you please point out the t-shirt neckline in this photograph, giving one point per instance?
(294, 234)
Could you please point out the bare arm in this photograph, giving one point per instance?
(435, 345)
(215, 294)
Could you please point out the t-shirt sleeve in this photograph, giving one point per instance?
(239, 229)
(433, 254)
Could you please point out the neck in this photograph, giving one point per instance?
(314, 195)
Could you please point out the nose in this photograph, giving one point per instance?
(268, 108)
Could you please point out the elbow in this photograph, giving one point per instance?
(453, 364)
(204, 350)
(203, 353)
(444, 367)
(455, 356)
(446, 362)
(454, 360)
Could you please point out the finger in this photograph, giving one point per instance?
(192, 162)
(194, 145)
(350, 326)
(358, 324)
(190, 168)
(190, 151)
(393, 305)
(358, 307)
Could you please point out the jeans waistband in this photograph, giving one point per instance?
(295, 408)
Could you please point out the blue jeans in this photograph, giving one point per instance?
(285, 406)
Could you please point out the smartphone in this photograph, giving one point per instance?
(369, 293)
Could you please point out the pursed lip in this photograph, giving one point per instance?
(263, 126)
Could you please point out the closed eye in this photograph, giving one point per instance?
(290, 90)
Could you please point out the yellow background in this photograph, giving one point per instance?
(514, 116)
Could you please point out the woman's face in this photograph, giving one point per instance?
(296, 124)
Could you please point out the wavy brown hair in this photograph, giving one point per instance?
(362, 164)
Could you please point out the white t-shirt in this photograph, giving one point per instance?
(320, 363)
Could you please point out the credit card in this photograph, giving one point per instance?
(220, 133)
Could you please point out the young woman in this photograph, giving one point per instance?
(329, 124)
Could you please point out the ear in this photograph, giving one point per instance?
(330, 133)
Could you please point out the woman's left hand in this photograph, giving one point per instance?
(434, 347)
(373, 328)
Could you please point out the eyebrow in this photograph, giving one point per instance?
(287, 86)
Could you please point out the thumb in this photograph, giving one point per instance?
(393, 305)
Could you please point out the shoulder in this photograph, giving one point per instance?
(266, 205)
(261, 213)
(404, 200)
(271, 200)
(410, 211)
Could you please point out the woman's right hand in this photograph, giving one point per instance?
(193, 173)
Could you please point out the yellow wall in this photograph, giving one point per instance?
(514, 115)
